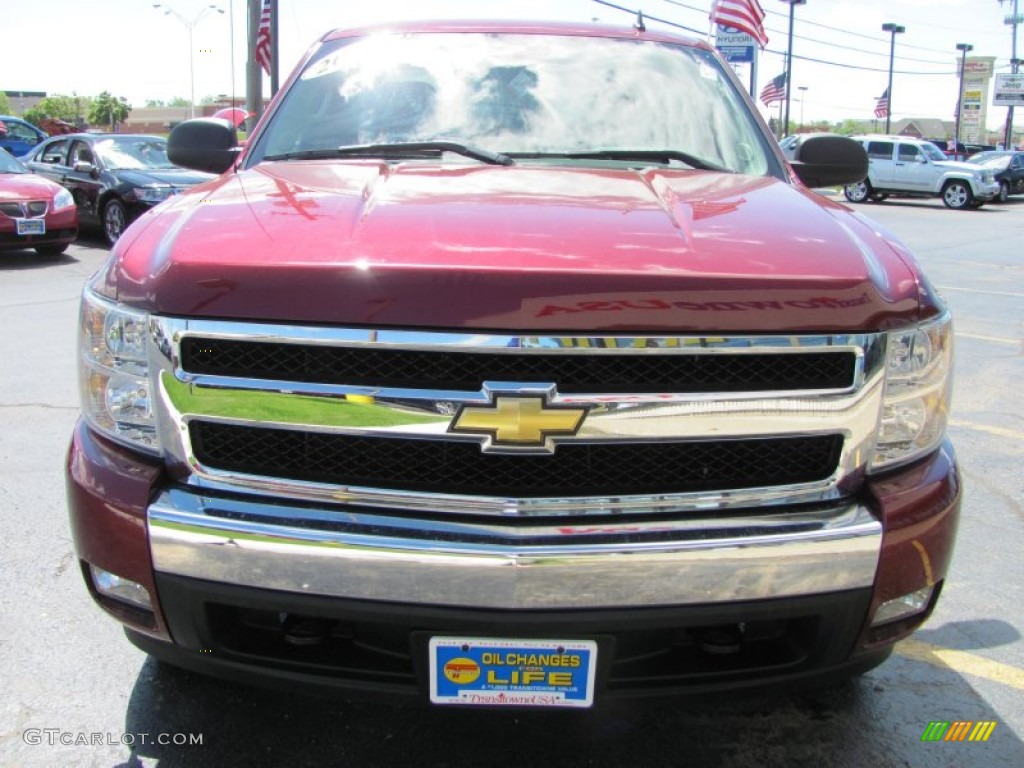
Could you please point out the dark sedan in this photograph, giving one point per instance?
(114, 177)
(1008, 166)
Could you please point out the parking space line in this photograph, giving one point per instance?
(994, 339)
(1011, 294)
(1013, 434)
(963, 662)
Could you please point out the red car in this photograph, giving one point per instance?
(34, 212)
(513, 365)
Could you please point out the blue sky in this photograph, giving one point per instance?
(132, 50)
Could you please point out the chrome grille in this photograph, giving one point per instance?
(25, 210)
(438, 466)
(368, 418)
(468, 370)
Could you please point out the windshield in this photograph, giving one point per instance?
(133, 153)
(539, 96)
(932, 152)
(9, 165)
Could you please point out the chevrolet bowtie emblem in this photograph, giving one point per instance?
(518, 421)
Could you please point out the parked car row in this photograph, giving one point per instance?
(114, 178)
(903, 166)
(110, 180)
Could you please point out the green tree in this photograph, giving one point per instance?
(179, 101)
(155, 103)
(849, 127)
(109, 110)
(5, 104)
(69, 108)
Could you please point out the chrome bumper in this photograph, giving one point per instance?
(373, 555)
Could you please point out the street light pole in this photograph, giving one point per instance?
(1013, 20)
(893, 29)
(803, 95)
(789, 60)
(963, 48)
(189, 25)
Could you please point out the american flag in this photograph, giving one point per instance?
(774, 91)
(745, 15)
(882, 105)
(263, 38)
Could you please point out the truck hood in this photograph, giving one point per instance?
(515, 248)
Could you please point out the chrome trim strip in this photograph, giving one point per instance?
(340, 553)
(423, 413)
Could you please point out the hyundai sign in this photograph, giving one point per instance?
(735, 46)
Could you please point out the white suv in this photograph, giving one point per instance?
(908, 167)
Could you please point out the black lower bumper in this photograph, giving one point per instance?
(316, 644)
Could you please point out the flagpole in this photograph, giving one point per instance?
(753, 75)
(789, 57)
(274, 67)
(253, 75)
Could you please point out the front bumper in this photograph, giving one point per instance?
(986, 192)
(61, 228)
(805, 582)
(338, 645)
(368, 554)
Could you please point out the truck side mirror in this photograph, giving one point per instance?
(828, 161)
(206, 144)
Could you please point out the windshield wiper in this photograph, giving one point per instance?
(663, 156)
(401, 149)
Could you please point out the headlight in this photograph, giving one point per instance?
(153, 194)
(114, 372)
(917, 392)
(63, 199)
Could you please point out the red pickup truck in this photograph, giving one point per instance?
(513, 365)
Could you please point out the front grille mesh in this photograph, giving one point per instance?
(575, 469)
(602, 373)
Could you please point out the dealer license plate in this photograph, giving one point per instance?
(30, 226)
(510, 673)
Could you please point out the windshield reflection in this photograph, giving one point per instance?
(518, 94)
(133, 153)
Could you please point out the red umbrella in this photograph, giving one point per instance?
(236, 115)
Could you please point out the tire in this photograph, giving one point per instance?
(1004, 191)
(858, 193)
(957, 195)
(51, 250)
(115, 219)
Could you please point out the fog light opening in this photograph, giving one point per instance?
(903, 607)
(114, 587)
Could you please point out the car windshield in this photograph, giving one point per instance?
(932, 152)
(9, 165)
(133, 153)
(531, 98)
